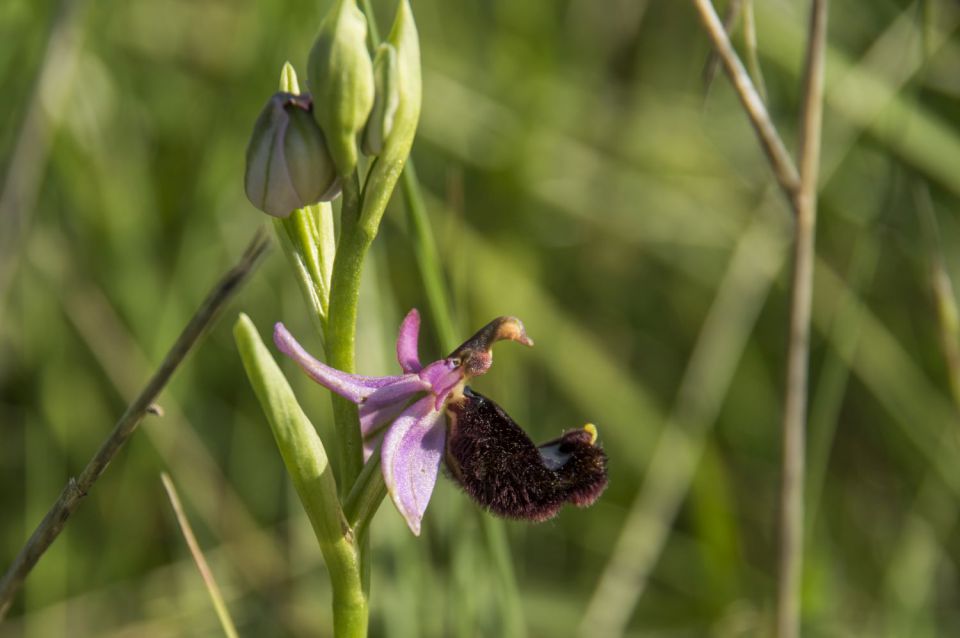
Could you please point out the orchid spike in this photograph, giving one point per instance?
(410, 413)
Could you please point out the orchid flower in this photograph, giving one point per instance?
(428, 414)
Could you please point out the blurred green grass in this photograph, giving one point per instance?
(578, 178)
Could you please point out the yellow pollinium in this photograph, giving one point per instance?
(592, 431)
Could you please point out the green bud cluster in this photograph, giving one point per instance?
(398, 116)
(304, 146)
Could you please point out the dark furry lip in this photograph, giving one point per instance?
(500, 468)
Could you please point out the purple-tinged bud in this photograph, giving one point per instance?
(288, 164)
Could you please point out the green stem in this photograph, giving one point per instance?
(340, 338)
(341, 329)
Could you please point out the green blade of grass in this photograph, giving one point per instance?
(209, 581)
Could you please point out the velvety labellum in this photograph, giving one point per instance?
(498, 465)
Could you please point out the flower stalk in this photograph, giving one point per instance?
(328, 270)
(406, 424)
(341, 329)
(360, 220)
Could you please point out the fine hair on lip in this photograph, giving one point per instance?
(497, 464)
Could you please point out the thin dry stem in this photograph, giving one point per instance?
(798, 353)
(750, 44)
(783, 166)
(800, 188)
(76, 488)
(730, 19)
(208, 579)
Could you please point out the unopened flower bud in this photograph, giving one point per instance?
(396, 145)
(288, 164)
(386, 101)
(340, 76)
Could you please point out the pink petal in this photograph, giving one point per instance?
(353, 387)
(442, 376)
(410, 459)
(374, 417)
(385, 405)
(407, 353)
(400, 390)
